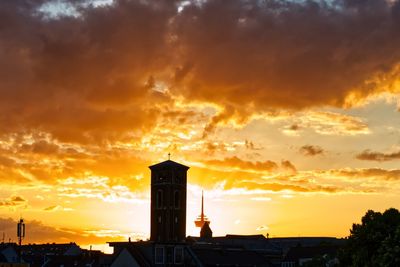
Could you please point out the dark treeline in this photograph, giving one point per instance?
(373, 243)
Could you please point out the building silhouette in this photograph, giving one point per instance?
(168, 202)
(206, 231)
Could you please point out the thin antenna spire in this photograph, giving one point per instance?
(202, 218)
(202, 206)
(169, 156)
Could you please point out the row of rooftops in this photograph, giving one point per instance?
(239, 250)
(229, 250)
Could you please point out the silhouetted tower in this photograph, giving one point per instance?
(21, 235)
(20, 231)
(168, 201)
(206, 231)
(201, 219)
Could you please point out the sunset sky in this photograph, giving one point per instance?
(287, 113)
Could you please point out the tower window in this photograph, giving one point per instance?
(159, 199)
(178, 179)
(176, 200)
(162, 177)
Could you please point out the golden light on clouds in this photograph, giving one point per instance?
(278, 129)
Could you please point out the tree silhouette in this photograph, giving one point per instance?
(374, 242)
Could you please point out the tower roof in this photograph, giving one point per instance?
(168, 164)
(206, 231)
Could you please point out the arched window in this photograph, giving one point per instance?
(159, 199)
(176, 200)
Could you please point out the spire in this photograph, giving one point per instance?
(201, 219)
(202, 206)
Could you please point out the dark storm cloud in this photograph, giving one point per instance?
(287, 54)
(87, 78)
(81, 79)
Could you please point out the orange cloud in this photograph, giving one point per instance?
(330, 123)
(378, 156)
(310, 150)
(375, 173)
(98, 188)
(307, 66)
(235, 162)
(108, 74)
(37, 232)
(57, 208)
(286, 164)
(13, 201)
(291, 187)
(90, 86)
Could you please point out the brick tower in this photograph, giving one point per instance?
(168, 202)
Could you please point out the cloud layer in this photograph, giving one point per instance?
(90, 98)
(287, 54)
(109, 72)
